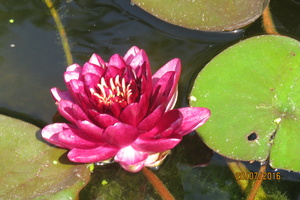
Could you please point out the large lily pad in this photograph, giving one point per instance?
(253, 91)
(208, 15)
(31, 169)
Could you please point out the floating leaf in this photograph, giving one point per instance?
(253, 91)
(31, 169)
(217, 15)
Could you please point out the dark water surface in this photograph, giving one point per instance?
(32, 61)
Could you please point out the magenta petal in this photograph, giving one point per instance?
(75, 138)
(105, 120)
(78, 112)
(173, 65)
(115, 109)
(61, 94)
(162, 90)
(72, 75)
(166, 125)
(193, 118)
(120, 134)
(90, 68)
(91, 81)
(139, 59)
(130, 156)
(169, 85)
(155, 145)
(70, 111)
(74, 68)
(150, 120)
(112, 72)
(131, 114)
(135, 112)
(91, 129)
(94, 155)
(50, 133)
(117, 61)
(76, 88)
(85, 102)
(131, 54)
(97, 60)
(173, 100)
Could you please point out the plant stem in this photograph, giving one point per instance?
(268, 22)
(62, 32)
(256, 185)
(238, 168)
(158, 185)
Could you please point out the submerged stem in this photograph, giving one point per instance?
(158, 185)
(268, 22)
(62, 32)
(256, 185)
(238, 168)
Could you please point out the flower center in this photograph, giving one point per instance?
(116, 91)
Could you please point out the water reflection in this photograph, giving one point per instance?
(32, 60)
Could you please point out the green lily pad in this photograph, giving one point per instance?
(253, 91)
(31, 169)
(207, 15)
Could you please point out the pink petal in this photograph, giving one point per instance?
(130, 156)
(75, 87)
(112, 72)
(162, 90)
(90, 68)
(117, 61)
(79, 112)
(105, 120)
(74, 68)
(150, 120)
(97, 60)
(71, 75)
(173, 100)
(50, 133)
(140, 63)
(91, 81)
(120, 134)
(128, 74)
(85, 102)
(131, 54)
(135, 112)
(146, 86)
(71, 111)
(75, 138)
(165, 126)
(94, 155)
(193, 118)
(115, 109)
(173, 65)
(155, 145)
(133, 168)
(61, 94)
(91, 129)
(132, 114)
(92, 113)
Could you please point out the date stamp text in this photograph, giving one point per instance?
(257, 175)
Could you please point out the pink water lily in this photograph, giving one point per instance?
(119, 110)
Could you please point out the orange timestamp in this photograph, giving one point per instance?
(257, 175)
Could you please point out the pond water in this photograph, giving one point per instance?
(32, 61)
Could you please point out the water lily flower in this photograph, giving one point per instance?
(118, 110)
